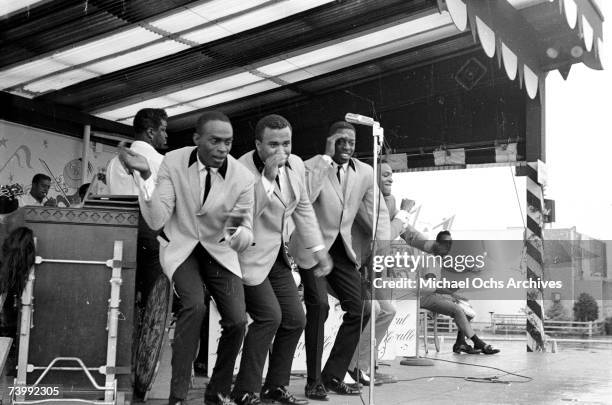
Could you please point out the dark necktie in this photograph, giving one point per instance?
(278, 182)
(206, 185)
(338, 174)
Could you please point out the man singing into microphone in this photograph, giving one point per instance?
(272, 301)
(384, 308)
(338, 185)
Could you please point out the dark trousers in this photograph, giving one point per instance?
(345, 281)
(277, 313)
(227, 291)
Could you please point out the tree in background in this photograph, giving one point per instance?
(558, 312)
(585, 309)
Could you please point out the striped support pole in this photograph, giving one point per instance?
(534, 254)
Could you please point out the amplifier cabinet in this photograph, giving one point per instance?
(70, 300)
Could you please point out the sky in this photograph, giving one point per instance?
(578, 163)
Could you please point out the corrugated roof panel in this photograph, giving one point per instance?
(29, 71)
(179, 109)
(208, 34)
(75, 56)
(203, 13)
(178, 22)
(265, 15)
(174, 107)
(186, 96)
(146, 54)
(235, 94)
(216, 86)
(360, 44)
(194, 65)
(138, 36)
(60, 23)
(372, 53)
(60, 81)
(129, 111)
(260, 13)
(363, 47)
(107, 46)
(11, 6)
(170, 110)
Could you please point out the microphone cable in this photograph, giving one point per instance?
(495, 379)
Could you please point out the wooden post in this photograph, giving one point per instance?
(85, 157)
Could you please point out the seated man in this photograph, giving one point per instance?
(445, 301)
(38, 193)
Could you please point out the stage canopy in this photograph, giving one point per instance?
(453, 82)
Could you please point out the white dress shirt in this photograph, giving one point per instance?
(284, 185)
(343, 171)
(283, 179)
(27, 199)
(203, 173)
(214, 173)
(120, 182)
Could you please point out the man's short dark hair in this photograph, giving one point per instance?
(272, 121)
(338, 125)
(441, 234)
(211, 116)
(149, 118)
(83, 190)
(40, 177)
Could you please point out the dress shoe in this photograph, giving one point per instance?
(218, 399)
(385, 378)
(247, 398)
(339, 387)
(316, 392)
(362, 378)
(464, 348)
(279, 395)
(488, 349)
(175, 401)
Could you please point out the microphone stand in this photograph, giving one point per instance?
(378, 135)
(417, 360)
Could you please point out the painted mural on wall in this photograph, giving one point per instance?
(26, 151)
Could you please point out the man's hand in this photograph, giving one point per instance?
(134, 161)
(272, 164)
(407, 204)
(325, 264)
(51, 202)
(234, 219)
(330, 146)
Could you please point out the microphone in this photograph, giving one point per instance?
(359, 119)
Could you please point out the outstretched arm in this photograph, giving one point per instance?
(157, 199)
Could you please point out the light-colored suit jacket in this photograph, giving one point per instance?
(274, 219)
(335, 211)
(176, 206)
(362, 238)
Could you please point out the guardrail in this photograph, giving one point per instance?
(516, 324)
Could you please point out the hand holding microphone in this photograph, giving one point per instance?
(273, 163)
